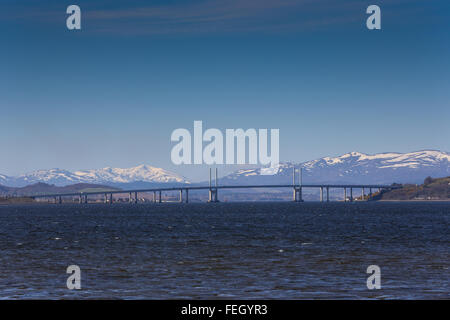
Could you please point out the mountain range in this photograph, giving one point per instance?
(116, 177)
(353, 167)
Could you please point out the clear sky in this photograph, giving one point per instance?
(112, 93)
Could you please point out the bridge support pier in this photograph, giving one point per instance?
(136, 197)
(328, 194)
(110, 198)
(160, 199)
(370, 194)
(213, 195)
(351, 194)
(321, 194)
(85, 198)
(181, 196)
(154, 196)
(363, 194)
(80, 199)
(130, 199)
(60, 200)
(187, 195)
(298, 194)
(345, 194)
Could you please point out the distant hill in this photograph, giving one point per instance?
(44, 188)
(17, 200)
(431, 189)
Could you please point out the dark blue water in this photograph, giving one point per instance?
(235, 250)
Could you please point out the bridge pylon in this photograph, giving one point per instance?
(213, 197)
(297, 190)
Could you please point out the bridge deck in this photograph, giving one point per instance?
(331, 186)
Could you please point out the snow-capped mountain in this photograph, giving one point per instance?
(142, 173)
(106, 176)
(53, 176)
(356, 167)
(353, 167)
(4, 179)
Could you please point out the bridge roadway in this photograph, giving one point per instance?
(213, 190)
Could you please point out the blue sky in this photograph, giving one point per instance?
(112, 93)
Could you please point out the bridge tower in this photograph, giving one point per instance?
(297, 188)
(213, 190)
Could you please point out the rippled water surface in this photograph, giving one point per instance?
(226, 251)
